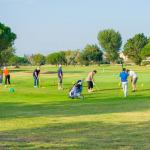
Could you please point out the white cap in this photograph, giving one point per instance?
(80, 83)
(60, 65)
(4, 67)
(38, 68)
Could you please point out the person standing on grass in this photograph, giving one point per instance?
(36, 74)
(134, 79)
(60, 77)
(7, 76)
(124, 80)
(1, 76)
(90, 80)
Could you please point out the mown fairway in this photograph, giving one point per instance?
(45, 118)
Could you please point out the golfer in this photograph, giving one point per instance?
(7, 76)
(60, 77)
(1, 76)
(90, 80)
(134, 79)
(36, 73)
(124, 79)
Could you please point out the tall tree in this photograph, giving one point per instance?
(134, 46)
(91, 54)
(110, 41)
(7, 38)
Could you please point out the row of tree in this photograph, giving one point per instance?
(136, 48)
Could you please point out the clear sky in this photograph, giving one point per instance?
(50, 25)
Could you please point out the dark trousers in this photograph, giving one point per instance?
(36, 81)
(1, 79)
(7, 79)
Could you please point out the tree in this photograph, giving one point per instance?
(110, 41)
(91, 54)
(16, 61)
(7, 38)
(134, 46)
(38, 59)
(146, 51)
(72, 57)
(56, 58)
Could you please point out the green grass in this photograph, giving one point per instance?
(45, 118)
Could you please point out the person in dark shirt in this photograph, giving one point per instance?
(36, 73)
(60, 77)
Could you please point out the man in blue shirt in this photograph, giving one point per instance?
(124, 79)
(60, 77)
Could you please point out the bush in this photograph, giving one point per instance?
(145, 63)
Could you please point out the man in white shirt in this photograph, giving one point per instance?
(134, 79)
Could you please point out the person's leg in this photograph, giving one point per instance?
(9, 79)
(91, 86)
(59, 83)
(5, 80)
(134, 84)
(34, 81)
(37, 82)
(88, 85)
(126, 89)
(123, 87)
(0, 79)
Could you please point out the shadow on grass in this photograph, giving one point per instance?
(19, 70)
(92, 135)
(141, 90)
(91, 105)
(112, 89)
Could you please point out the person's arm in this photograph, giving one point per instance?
(36, 74)
(61, 74)
(92, 77)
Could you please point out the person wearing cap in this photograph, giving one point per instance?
(60, 77)
(134, 79)
(1, 76)
(124, 80)
(36, 73)
(90, 80)
(7, 76)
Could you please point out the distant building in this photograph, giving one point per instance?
(121, 55)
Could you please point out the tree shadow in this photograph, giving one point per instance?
(76, 107)
(88, 135)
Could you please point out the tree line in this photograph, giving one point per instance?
(107, 50)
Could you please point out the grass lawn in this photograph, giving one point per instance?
(45, 118)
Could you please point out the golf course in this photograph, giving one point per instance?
(46, 118)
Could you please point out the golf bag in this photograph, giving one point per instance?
(76, 90)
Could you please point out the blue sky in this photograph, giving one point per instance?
(50, 25)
